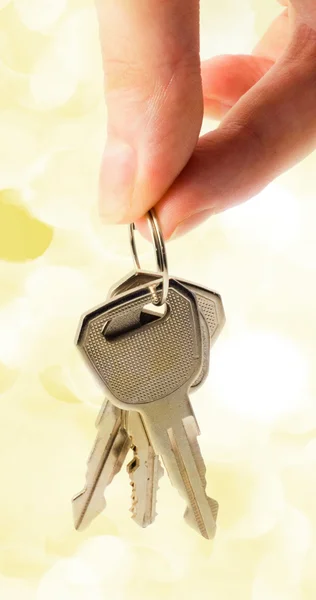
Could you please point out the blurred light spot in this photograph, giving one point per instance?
(80, 34)
(272, 218)
(14, 320)
(53, 382)
(23, 135)
(18, 53)
(55, 75)
(309, 581)
(215, 19)
(32, 326)
(52, 82)
(310, 451)
(21, 236)
(12, 277)
(64, 187)
(39, 14)
(109, 556)
(155, 565)
(266, 504)
(241, 438)
(56, 291)
(7, 377)
(250, 497)
(82, 381)
(13, 588)
(69, 579)
(23, 560)
(280, 570)
(72, 57)
(260, 375)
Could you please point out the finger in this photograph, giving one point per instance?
(227, 78)
(154, 98)
(306, 9)
(271, 128)
(276, 38)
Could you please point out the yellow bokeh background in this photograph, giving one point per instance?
(257, 410)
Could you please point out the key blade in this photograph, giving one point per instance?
(192, 431)
(172, 428)
(106, 459)
(144, 471)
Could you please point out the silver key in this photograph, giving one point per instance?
(144, 471)
(212, 322)
(144, 480)
(150, 368)
(209, 304)
(173, 429)
(106, 459)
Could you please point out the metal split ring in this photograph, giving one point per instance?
(160, 252)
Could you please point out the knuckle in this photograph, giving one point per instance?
(256, 138)
(123, 74)
(148, 74)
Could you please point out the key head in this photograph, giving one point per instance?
(210, 306)
(213, 319)
(153, 360)
(133, 280)
(209, 302)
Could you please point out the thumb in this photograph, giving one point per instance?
(154, 99)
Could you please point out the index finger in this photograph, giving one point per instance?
(306, 9)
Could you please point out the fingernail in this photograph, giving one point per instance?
(181, 230)
(191, 222)
(117, 180)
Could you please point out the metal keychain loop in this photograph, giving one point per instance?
(160, 252)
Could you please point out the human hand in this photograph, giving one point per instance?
(157, 90)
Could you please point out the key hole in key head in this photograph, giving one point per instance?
(155, 311)
(150, 314)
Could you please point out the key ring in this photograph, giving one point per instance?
(160, 251)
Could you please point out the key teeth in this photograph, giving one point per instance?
(214, 508)
(131, 467)
(131, 470)
(191, 521)
(160, 471)
(133, 508)
(82, 519)
(190, 518)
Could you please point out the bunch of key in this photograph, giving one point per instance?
(150, 361)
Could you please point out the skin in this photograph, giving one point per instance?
(157, 91)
